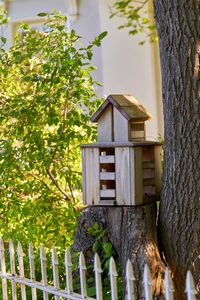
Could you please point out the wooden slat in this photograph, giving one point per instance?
(158, 169)
(130, 278)
(107, 159)
(83, 269)
(148, 181)
(122, 167)
(68, 267)
(107, 202)
(44, 271)
(132, 175)
(84, 176)
(3, 269)
(107, 175)
(107, 193)
(21, 269)
(92, 176)
(121, 127)
(190, 287)
(105, 125)
(32, 271)
(113, 279)
(12, 268)
(55, 271)
(147, 283)
(138, 175)
(148, 165)
(98, 281)
(169, 288)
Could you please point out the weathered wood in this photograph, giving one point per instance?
(3, 270)
(120, 144)
(158, 169)
(132, 232)
(106, 159)
(107, 193)
(122, 166)
(32, 271)
(98, 271)
(55, 271)
(68, 267)
(83, 150)
(147, 283)
(12, 268)
(107, 175)
(83, 269)
(20, 255)
(105, 125)
(92, 176)
(138, 175)
(121, 127)
(113, 279)
(44, 271)
(130, 278)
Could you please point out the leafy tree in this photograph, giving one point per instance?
(46, 88)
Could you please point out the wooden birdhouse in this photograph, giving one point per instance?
(122, 168)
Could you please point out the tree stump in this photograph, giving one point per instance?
(132, 232)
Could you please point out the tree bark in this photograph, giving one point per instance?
(178, 25)
(132, 232)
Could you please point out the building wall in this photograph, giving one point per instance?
(123, 65)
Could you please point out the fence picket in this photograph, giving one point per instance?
(98, 281)
(12, 268)
(44, 270)
(68, 267)
(83, 269)
(3, 269)
(190, 287)
(147, 283)
(113, 279)
(21, 269)
(55, 271)
(169, 288)
(130, 280)
(32, 271)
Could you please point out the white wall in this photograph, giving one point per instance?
(124, 67)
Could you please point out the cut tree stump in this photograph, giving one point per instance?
(132, 232)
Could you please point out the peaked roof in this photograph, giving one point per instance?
(127, 105)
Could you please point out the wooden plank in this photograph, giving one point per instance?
(98, 281)
(105, 125)
(92, 176)
(122, 166)
(121, 129)
(132, 175)
(148, 165)
(107, 193)
(84, 175)
(96, 180)
(107, 175)
(20, 255)
(137, 135)
(138, 175)
(107, 202)
(120, 144)
(148, 182)
(3, 270)
(107, 159)
(158, 169)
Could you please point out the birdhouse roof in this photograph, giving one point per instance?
(127, 105)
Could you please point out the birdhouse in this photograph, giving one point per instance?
(121, 168)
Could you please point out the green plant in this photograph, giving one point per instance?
(105, 251)
(47, 97)
(136, 18)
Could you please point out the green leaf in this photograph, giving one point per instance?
(42, 14)
(95, 246)
(102, 35)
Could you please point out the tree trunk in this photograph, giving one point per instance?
(178, 28)
(132, 232)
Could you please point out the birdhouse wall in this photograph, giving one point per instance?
(137, 131)
(105, 125)
(90, 176)
(121, 127)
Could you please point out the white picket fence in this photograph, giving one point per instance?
(68, 293)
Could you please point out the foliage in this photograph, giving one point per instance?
(133, 12)
(105, 251)
(45, 88)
